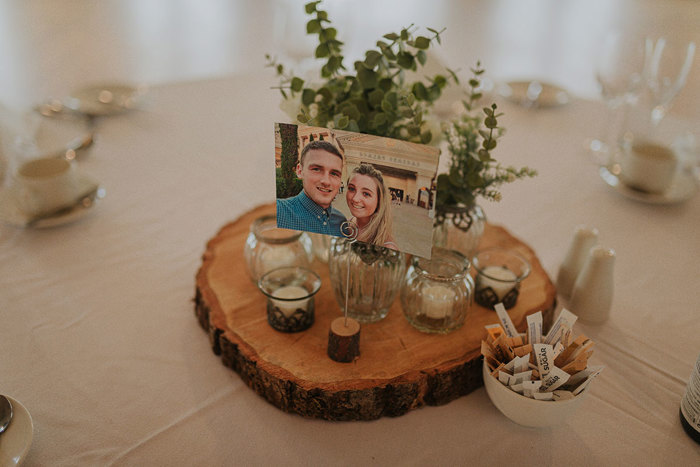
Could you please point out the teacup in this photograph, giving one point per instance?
(46, 185)
(649, 167)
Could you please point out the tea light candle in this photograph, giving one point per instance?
(438, 301)
(499, 278)
(276, 257)
(288, 307)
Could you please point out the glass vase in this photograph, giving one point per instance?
(268, 247)
(375, 275)
(459, 228)
(438, 292)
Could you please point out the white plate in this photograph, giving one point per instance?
(682, 188)
(11, 213)
(534, 93)
(108, 99)
(15, 441)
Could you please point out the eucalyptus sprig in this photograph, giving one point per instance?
(376, 98)
(473, 171)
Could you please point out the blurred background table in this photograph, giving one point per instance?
(97, 332)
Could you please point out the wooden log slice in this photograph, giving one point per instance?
(399, 369)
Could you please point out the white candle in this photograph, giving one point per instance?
(288, 307)
(500, 279)
(437, 301)
(276, 257)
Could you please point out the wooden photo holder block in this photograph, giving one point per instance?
(344, 340)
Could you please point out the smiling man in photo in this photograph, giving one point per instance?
(320, 170)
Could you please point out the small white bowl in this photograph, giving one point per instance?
(525, 411)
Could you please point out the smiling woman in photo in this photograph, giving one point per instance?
(369, 204)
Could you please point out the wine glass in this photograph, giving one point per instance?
(669, 69)
(620, 70)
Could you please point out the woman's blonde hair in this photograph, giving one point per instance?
(378, 229)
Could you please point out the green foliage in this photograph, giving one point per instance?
(288, 184)
(473, 171)
(373, 96)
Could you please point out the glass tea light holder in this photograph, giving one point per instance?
(437, 293)
(268, 247)
(290, 297)
(499, 273)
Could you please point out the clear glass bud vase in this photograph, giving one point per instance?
(459, 228)
(375, 274)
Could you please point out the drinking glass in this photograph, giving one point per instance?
(620, 69)
(670, 66)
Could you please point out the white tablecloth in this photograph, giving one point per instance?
(98, 337)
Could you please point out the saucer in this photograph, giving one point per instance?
(11, 213)
(534, 93)
(62, 133)
(108, 99)
(682, 188)
(15, 441)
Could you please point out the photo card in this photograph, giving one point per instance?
(377, 190)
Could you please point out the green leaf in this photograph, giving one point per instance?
(322, 50)
(420, 91)
(301, 118)
(372, 57)
(484, 155)
(490, 122)
(413, 130)
(352, 112)
(310, 7)
(453, 75)
(380, 119)
(297, 84)
(352, 126)
(307, 96)
(334, 44)
(422, 57)
(418, 118)
(405, 59)
(426, 136)
(385, 84)
(386, 106)
(326, 93)
(404, 34)
(488, 111)
(432, 30)
(455, 178)
(422, 42)
(433, 93)
(328, 34)
(410, 99)
(342, 122)
(388, 53)
(484, 134)
(280, 69)
(322, 15)
(391, 36)
(313, 26)
(367, 78)
(375, 97)
(393, 98)
(440, 81)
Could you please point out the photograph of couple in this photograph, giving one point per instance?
(384, 187)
